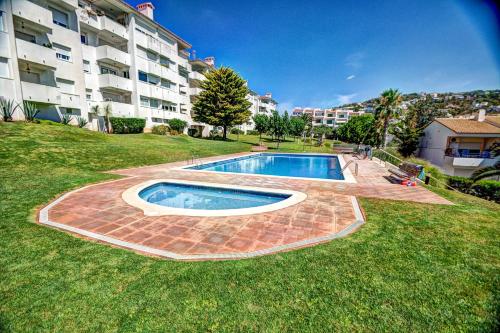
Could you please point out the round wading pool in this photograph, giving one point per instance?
(179, 197)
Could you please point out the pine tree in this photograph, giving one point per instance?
(223, 100)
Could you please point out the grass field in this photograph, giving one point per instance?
(412, 267)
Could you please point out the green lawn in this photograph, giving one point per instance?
(412, 267)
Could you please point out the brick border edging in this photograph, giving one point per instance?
(43, 218)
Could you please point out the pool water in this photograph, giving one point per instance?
(206, 197)
(289, 165)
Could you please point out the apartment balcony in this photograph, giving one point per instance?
(70, 101)
(104, 25)
(196, 76)
(29, 11)
(156, 92)
(153, 44)
(154, 68)
(35, 53)
(168, 73)
(40, 93)
(112, 55)
(114, 82)
(167, 50)
(170, 95)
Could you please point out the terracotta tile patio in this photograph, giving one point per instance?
(330, 211)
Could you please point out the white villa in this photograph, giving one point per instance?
(460, 146)
(330, 117)
(68, 56)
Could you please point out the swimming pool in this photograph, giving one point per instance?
(193, 198)
(204, 197)
(285, 165)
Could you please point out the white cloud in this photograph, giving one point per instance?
(355, 60)
(350, 77)
(345, 99)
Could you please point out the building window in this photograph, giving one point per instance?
(154, 103)
(4, 68)
(59, 18)
(2, 23)
(62, 52)
(106, 70)
(143, 77)
(26, 37)
(144, 101)
(153, 79)
(126, 74)
(84, 39)
(86, 66)
(88, 94)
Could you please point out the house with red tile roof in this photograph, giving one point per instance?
(459, 146)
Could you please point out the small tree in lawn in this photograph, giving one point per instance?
(223, 100)
(277, 126)
(261, 122)
(321, 131)
(297, 127)
(286, 124)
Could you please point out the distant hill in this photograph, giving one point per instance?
(446, 104)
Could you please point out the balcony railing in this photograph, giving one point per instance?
(106, 52)
(115, 82)
(40, 93)
(35, 53)
(467, 153)
(32, 12)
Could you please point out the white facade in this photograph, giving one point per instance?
(435, 147)
(69, 55)
(329, 117)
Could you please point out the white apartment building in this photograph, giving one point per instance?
(330, 117)
(69, 55)
(260, 104)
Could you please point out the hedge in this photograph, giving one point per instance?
(252, 132)
(236, 130)
(127, 125)
(486, 189)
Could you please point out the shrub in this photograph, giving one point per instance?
(253, 132)
(82, 122)
(127, 125)
(66, 119)
(486, 189)
(462, 184)
(48, 122)
(30, 111)
(236, 130)
(177, 125)
(160, 129)
(7, 108)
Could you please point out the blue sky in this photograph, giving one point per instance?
(326, 53)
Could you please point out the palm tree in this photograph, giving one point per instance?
(486, 172)
(387, 109)
(108, 112)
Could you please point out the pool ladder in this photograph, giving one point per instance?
(193, 160)
(355, 166)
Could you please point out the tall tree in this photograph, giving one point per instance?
(388, 108)
(360, 130)
(223, 100)
(286, 124)
(276, 126)
(297, 126)
(261, 122)
(407, 133)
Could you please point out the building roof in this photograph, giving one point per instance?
(468, 126)
(494, 120)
